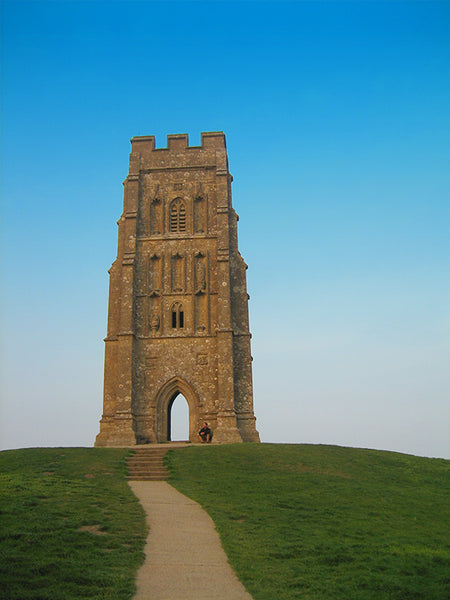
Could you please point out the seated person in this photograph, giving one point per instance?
(205, 434)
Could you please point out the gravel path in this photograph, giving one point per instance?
(184, 559)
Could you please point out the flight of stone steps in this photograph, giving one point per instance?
(147, 464)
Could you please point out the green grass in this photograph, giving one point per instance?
(297, 521)
(70, 526)
(324, 522)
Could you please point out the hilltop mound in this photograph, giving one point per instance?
(325, 522)
(297, 521)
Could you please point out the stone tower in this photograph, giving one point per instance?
(178, 303)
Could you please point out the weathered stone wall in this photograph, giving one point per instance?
(178, 308)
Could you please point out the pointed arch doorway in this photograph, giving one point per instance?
(178, 419)
(179, 391)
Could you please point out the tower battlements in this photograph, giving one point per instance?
(212, 152)
(179, 142)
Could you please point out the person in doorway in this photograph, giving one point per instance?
(205, 434)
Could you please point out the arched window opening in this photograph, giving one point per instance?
(179, 420)
(177, 316)
(177, 222)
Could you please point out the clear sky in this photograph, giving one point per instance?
(337, 123)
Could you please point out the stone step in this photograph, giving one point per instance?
(146, 471)
(150, 449)
(148, 452)
(147, 477)
(136, 471)
(144, 463)
(150, 461)
(146, 467)
(147, 456)
(153, 463)
(146, 459)
(147, 464)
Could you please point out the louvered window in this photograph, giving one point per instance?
(177, 216)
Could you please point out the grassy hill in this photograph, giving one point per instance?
(325, 522)
(297, 521)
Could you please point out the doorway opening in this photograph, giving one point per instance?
(178, 421)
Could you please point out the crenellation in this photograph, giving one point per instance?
(213, 140)
(179, 142)
(143, 143)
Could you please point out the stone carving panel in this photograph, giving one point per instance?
(178, 273)
(200, 292)
(201, 313)
(155, 275)
(154, 312)
(156, 217)
(200, 214)
(200, 276)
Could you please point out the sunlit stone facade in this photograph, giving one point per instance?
(178, 303)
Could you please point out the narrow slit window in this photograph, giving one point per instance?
(177, 316)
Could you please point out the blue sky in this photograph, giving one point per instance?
(338, 129)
